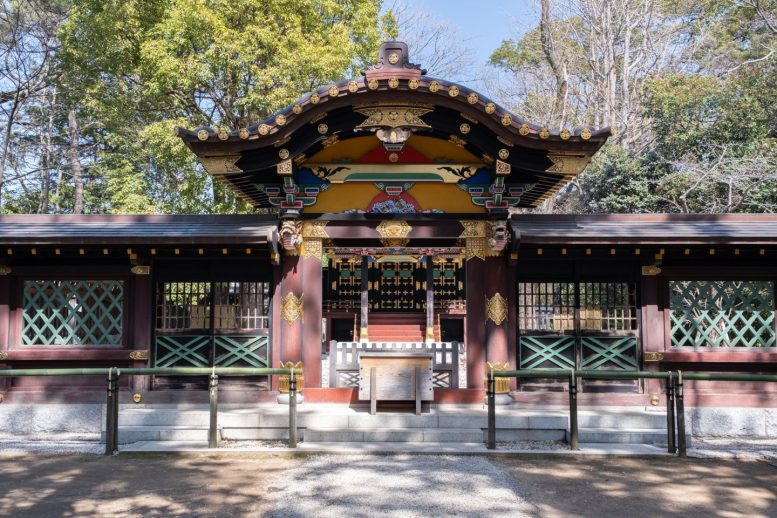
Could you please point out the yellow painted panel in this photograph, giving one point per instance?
(343, 197)
(432, 148)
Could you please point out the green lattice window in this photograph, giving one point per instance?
(722, 313)
(72, 312)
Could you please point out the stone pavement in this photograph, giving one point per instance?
(244, 483)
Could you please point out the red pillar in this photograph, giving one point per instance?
(311, 322)
(475, 331)
(292, 303)
(496, 310)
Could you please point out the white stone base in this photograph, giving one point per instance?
(283, 399)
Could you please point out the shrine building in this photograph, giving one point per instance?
(388, 218)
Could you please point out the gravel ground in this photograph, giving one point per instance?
(55, 447)
(396, 485)
(756, 449)
(532, 445)
(266, 445)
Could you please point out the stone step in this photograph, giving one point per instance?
(129, 434)
(623, 435)
(163, 417)
(394, 435)
(622, 420)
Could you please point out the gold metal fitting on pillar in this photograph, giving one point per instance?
(284, 379)
(501, 385)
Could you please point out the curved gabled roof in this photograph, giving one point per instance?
(536, 155)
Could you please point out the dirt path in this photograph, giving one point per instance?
(261, 484)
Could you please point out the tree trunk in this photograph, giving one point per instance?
(75, 164)
(559, 69)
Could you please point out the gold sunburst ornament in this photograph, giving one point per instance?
(292, 308)
(496, 309)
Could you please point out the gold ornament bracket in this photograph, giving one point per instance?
(394, 233)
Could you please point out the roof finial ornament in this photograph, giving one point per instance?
(393, 62)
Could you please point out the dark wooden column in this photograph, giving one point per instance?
(140, 332)
(5, 321)
(276, 323)
(364, 305)
(652, 328)
(429, 335)
(496, 311)
(291, 309)
(311, 323)
(475, 330)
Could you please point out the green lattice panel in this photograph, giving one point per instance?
(609, 353)
(722, 313)
(241, 351)
(72, 312)
(183, 351)
(547, 352)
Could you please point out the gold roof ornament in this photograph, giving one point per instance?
(393, 82)
(544, 133)
(434, 86)
(394, 233)
(314, 98)
(393, 116)
(472, 98)
(568, 164)
(393, 58)
(202, 134)
(453, 91)
(283, 154)
(243, 133)
(585, 134)
(523, 129)
(490, 108)
(373, 84)
(504, 154)
(263, 129)
(507, 119)
(564, 134)
(223, 134)
(464, 128)
(413, 84)
(322, 128)
(353, 87)
(297, 109)
(280, 119)
(333, 91)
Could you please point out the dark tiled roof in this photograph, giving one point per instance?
(43, 229)
(648, 228)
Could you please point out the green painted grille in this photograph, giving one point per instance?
(547, 352)
(722, 313)
(241, 351)
(183, 351)
(609, 352)
(72, 312)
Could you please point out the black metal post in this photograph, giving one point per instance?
(213, 431)
(112, 413)
(573, 439)
(491, 399)
(292, 409)
(670, 428)
(682, 447)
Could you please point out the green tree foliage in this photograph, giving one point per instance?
(136, 69)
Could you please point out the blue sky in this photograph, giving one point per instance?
(484, 22)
